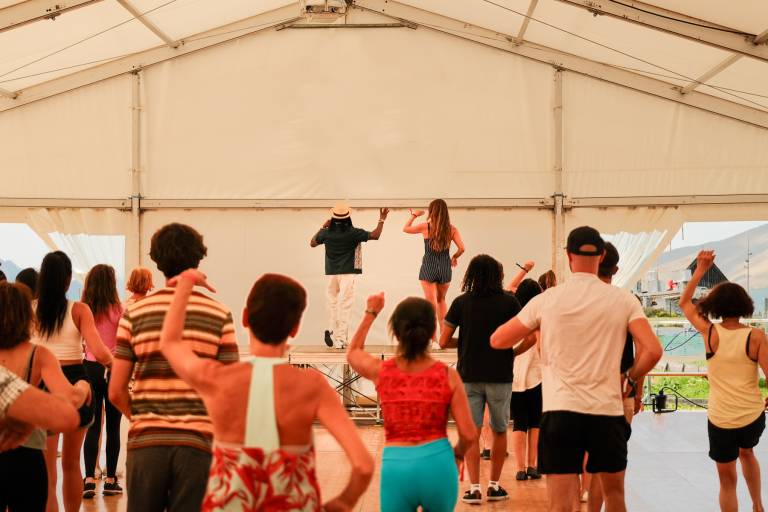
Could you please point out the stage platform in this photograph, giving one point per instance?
(669, 470)
(359, 398)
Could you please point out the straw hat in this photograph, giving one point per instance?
(341, 210)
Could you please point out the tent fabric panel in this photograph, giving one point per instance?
(746, 74)
(349, 114)
(244, 244)
(75, 145)
(25, 44)
(183, 18)
(620, 143)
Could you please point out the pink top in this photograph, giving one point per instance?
(414, 405)
(106, 324)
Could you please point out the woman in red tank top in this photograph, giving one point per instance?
(419, 467)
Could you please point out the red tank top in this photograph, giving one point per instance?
(414, 405)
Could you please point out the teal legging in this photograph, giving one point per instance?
(423, 475)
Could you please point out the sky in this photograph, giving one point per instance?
(695, 233)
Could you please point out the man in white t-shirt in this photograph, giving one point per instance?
(584, 324)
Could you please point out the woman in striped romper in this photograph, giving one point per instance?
(436, 265)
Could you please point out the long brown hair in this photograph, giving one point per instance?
(100, 290)
(439, 226)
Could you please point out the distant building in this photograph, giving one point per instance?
(666, 296)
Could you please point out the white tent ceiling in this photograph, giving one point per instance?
(35, 50)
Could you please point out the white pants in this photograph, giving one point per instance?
(341, 297)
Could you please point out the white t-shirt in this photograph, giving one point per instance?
(583, 330)
(527, 370)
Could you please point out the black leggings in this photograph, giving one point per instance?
(100, 386)
(23, 480)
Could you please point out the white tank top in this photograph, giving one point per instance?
(734, 395)
(66, 343)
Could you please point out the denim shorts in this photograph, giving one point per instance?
(497, 395)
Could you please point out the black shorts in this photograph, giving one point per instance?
(567, 436)
(724, 443)
(526, 409)
(73, 373)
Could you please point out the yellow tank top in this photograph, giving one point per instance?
(734, 395)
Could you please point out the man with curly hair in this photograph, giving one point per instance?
(169, 441)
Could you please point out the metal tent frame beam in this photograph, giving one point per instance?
(726, 63)
(148, 23)
(34, 10)
(567, 61)
(524, 27)
(657, 18)
(140, 60)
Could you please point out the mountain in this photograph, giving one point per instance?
(731, 255)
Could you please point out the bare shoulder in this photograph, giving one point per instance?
(454, 379)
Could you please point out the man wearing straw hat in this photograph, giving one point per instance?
(343, 263)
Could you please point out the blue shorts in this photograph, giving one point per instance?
(497, 395)
(422, 475)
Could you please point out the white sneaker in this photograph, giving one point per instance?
(584, 497)
(436, 346)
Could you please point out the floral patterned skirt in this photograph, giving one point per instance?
(250, 479)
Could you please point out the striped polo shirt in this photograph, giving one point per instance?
(165, 411)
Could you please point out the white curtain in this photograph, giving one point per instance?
(635, 251)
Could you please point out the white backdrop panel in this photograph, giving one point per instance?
(75, 145)
(377, 113)
(624, 143)
(243, 244)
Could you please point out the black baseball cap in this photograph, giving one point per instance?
(582, 236)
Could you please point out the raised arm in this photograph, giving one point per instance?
(376, 233)
(313, 242)
(461, 415)
(333, 417)
(524, 269)
(361, 361)
(704, 262)
(418, 228)
(83, 319)
(199, 373)
(456, 237)
(648, 350)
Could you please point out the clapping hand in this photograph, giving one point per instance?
(416, 213)
(194, 275)
(528, 266)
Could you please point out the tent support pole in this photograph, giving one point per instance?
(133, 245)
(558, 225)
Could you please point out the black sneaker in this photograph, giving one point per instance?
(328, 339)
(89, 490)
(497, 494)
(472, 497)
(533, 473)
(521, 475)
(113, 488)
(485, 454)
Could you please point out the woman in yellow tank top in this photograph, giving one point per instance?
(736, 408)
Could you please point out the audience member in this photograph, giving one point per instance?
(28, 277)
(264, 456)
(169, 441)
(419, 467)
(343, 263)
(485, 372)
(62, 326)
(23, 476)
(436, 265)
(100, 294)
(736, 413)
(584, 325)
(526, 397)
(139, 284)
